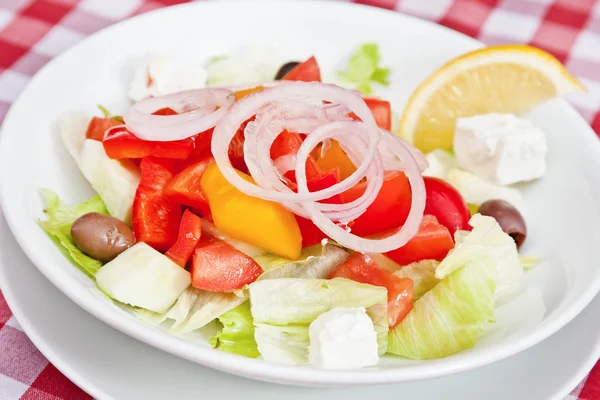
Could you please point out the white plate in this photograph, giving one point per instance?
(563, 211)
(110, 365)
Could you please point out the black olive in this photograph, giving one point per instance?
(509, 218)
(101, 236)
(285, 68)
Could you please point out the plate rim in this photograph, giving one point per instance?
(269, 371)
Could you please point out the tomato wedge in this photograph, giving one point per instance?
(98, 126)
(381, 110)
(308, 71)
(155, 218)
(432, 242)
(361, 268)
(390, 208)
(184, 187)
(190, 231)
(446, 204)
(218, 267)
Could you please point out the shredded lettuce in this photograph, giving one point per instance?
(314, 262)
(363, 68)
(57, 226)
(451, 316)
(422, 274)
(476, 190)
(487, 240)
(284, 308)
(237, 334)
(483, 271)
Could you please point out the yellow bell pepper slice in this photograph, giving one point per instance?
(259, 222)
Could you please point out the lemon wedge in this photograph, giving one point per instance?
(505, 79)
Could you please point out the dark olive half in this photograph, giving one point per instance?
(101, 236)
(509, 218)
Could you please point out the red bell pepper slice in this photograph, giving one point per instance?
(432, 242)
(184, 187)
(119, 143)
(390, 208)
(155, 218)
(308, 71)
(98, 126)
(190, 232)
(311, 234)
(361, 268)
(218, 267)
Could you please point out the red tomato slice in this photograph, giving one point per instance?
(190, 231)
(311, 234)
(120, 143)
(98, 126)
(184, 188)
(308, 71)
(155, 218)
(361, 268)
(445, 203)
(381, 110)
(390, 208)
(432, 242)
(218, 267)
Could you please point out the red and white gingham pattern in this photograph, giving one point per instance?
(34, 31)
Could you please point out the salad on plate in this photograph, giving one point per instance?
(302, 219)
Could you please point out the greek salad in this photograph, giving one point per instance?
(249, 195)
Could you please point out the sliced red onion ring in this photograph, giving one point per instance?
(252, 104)
(321, 112)
(391, 161)
(284, 164)
(200, 110)
(402, 235)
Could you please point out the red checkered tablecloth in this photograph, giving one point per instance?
(34, 31)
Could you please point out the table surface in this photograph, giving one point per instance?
(34, 31)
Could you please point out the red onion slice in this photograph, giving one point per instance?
(321, 112)
(200, 110)
(252, 104)
(402, 235)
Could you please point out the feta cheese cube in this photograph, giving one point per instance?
(159, 75)
(343, 338)
(501, 148)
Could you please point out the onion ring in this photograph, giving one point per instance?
(199, 109)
